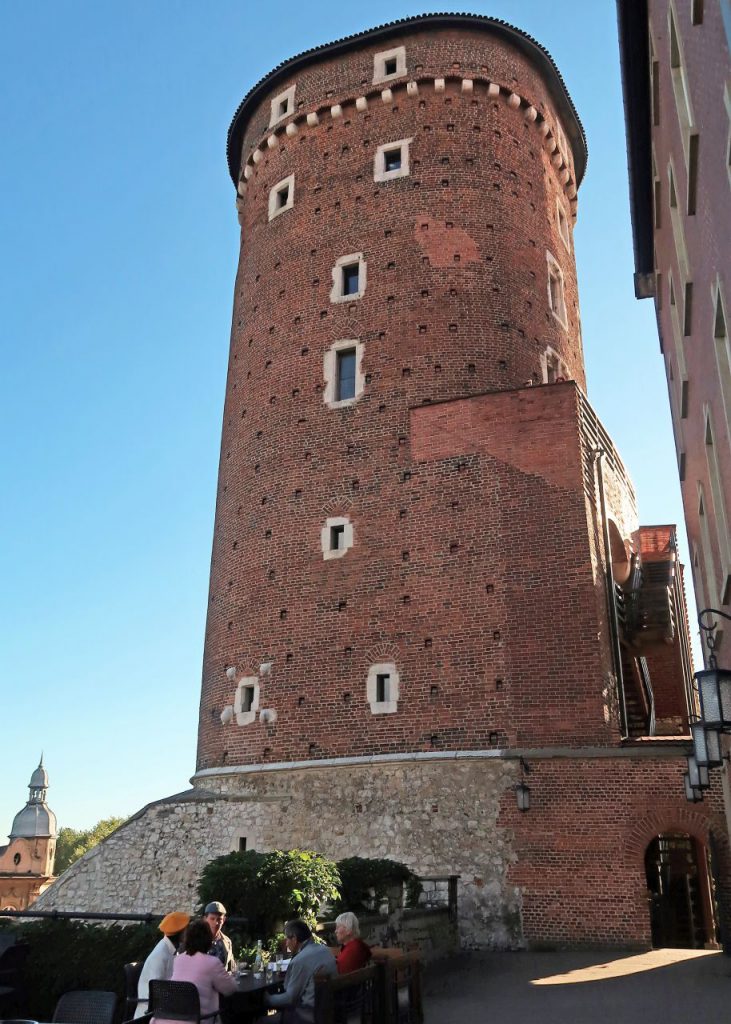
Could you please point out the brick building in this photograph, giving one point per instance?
(676, 75)
(429, 583)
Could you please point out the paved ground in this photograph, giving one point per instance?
(666, 986)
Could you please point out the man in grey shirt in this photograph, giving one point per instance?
(297, 1002)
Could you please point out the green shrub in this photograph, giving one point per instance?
(269, 888)
(69, 955)
(365, 882)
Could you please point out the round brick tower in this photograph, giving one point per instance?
(409, 587)
(436, 163)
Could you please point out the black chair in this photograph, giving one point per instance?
(132, 974)
(85, 1008)
(353, 998)
(176, 1000)
(12, 991)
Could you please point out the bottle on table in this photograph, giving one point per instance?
(258, 962)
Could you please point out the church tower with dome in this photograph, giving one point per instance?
(26, 863)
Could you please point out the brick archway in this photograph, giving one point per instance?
(674, 819)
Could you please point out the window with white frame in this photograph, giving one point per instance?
(561, 142)
(556, 298)
(727, 104)
(343, 373)
(382, 688)
(708, 565)
(281, 197)
(563, 225)
(389, 64)
(679, 79)
(282, 106)
(553, 367)
(336, 537)
(246, 701)
(723, 350)
(392, 160)
(349, 278)
(719, 507)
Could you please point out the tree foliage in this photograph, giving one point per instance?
(365, 882)
(268, 888)
(73, 843)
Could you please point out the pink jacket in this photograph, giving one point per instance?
(208, 975)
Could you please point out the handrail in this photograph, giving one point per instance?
(74, 915)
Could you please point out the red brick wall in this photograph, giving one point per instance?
(581, 847)
(707, 234)
(456, 304)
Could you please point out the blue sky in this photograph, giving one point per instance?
(118, 247)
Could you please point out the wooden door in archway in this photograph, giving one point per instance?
(678, 883)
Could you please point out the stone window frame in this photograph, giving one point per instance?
(555, 274)
(550, 359)
(328, 552)
(386, 707)
(380, 60)
(246, 717)
(718, 503)
(336, 292)
(562, 222)
(274, 193)
(727, 105)
(679, 80)
(330, 373)
(285, 97)
(379, 161)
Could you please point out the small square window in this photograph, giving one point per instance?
(392, 159)
(337, 537)
(556, 298)
(351, 279)
(281, 197)
(389, 64)
(242, 844)
(345, 388)
(247, 698)
(282, 106)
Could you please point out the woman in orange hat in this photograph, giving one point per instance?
(159, 964)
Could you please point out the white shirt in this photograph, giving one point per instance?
(158, 966)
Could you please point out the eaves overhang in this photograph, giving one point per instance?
(494, 26)
(634, 52)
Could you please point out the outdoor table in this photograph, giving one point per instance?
(247, 1003)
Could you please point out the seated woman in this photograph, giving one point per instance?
(354, 953)
(206, 972)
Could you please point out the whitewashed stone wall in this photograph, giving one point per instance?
(439, 818)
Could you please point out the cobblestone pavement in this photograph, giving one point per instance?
(665, 986)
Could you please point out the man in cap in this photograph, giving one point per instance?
(214, 915)
(159, 964)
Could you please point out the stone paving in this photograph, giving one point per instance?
(665, 986)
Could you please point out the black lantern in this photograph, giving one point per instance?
(691, 793)
(522, 791)
(714, 690)
(522, 795)
(698, 774)
(706, 745)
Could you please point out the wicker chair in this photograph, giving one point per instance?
(176, 1000)
(85, 1008)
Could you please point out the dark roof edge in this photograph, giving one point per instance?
(634, 48)
(522, 40)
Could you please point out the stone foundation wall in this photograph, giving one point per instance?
(438, 818)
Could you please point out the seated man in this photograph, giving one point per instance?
(297, 1001)
(214, 915)
(159, 964)
(354, 953)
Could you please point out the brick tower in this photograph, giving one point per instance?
(428, 578)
